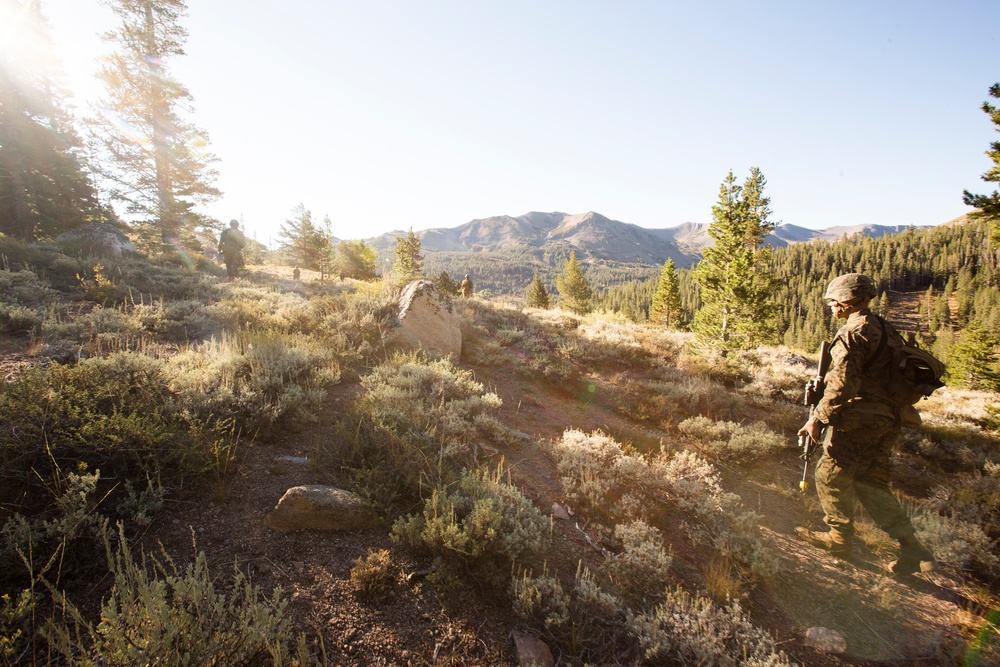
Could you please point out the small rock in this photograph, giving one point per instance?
(560, 512)
(320, 507)
(294, 460)
(826, 640)
(532, 652)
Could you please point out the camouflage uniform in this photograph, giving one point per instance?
(467, 286)
(231, 243)
(862, 428)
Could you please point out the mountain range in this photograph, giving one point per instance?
(596, 237)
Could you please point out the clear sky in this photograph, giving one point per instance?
(388, 115)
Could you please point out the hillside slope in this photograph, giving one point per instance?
(694, 453)
(917, 622)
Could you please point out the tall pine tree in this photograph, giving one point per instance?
(574, 288)
(44, 188)
(157, 164)
(737, 284)
(409, 262)
(536, 296)
(310, 246)
(972, 360)
(989, 204)
(666, 309)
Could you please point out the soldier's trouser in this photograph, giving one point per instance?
(854, 469)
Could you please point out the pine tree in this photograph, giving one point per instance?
(444, 283)
(737, 284)
(309, 245)
(574, 288)
(989, 204)
(357, 260)
(409, 262)
(536, 296)
(666, 308)
(157, 164)
(972, 360)
(44, 188)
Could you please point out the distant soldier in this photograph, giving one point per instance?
(466, 286)
(231, 243)
(861, 426)
(296, 274)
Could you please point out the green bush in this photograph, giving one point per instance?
(439, 408)
(959, 544)
(482, 526)
(641, 570)
(160, 614)
(597, 470)
(112, 413)
(256, 380)
(587, 622)
(18, 320)
(729, 441)
(692, 630)
(372, 577)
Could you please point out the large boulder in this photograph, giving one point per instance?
(96, 239)
(318, 507)
(427, 321)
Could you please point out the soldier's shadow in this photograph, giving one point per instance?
(921, 584)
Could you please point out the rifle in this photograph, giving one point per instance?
(814, 393)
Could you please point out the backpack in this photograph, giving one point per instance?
(913, 373)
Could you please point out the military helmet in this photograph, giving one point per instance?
(851, 287)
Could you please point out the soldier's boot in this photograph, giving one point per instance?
(913, 557)
(833, 541)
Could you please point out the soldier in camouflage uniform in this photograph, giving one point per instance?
(861, 426)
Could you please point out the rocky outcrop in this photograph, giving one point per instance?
(427, 321)
(318, 507)
(96, 239)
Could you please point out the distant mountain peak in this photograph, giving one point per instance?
(595, 236)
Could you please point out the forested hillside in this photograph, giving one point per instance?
(953, 266)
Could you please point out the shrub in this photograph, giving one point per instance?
(256, 380)
(485, 524)
(731, 441)
(15, 626)
(596, 470)
(433, 404)
(958, 543)
(112, 413)
(674, 395)
(58, 542)
(372, 577)
(158, 613)
(693, 631)
(642, 568)
(587, 622)
(18, 320)
(23, 288)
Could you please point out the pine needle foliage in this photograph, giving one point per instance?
(989, 204)
(737, 284)
(666, 308)
(574, 289)
(157, 163)
(409, 262)
(536, 296)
